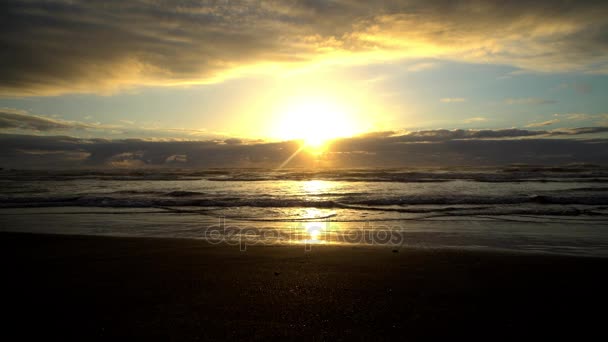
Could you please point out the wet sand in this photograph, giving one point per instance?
(104, 288)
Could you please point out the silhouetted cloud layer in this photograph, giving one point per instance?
(380, 149)
(52, 47)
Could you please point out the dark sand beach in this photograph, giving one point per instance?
(104, 288)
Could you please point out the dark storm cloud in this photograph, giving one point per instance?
(386, 149)
(51, 47)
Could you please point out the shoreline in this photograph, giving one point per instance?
(560, 238)
(97, 287)
(415, 248)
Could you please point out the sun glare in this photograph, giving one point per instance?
(315, 122)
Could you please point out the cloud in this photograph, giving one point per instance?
(417, 67)
(459, 134)
(384, 149)
(18, 119)
(387, 149)
(575, 116)
(453, 99)
(591, 119)
(579, 131)
(233, 141)
(475, 119)
(529, 101)
(544, 123)
(54, 47)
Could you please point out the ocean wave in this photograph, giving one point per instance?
(137, 192)
(183, 193)
(185, 198)
(586, 189)
(513, 174)
(424, 178)
(176, 193)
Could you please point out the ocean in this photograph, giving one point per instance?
(522, 208)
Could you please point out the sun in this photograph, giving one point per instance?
(315, 122)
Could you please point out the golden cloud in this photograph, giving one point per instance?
(94, 46)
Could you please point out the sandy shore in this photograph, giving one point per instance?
(92, 288)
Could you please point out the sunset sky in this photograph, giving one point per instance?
(270, 71)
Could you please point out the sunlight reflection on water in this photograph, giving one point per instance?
(317, 230)
(316, 187)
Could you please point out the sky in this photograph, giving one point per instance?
(243, 75)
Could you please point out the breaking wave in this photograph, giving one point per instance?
(185, 198)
